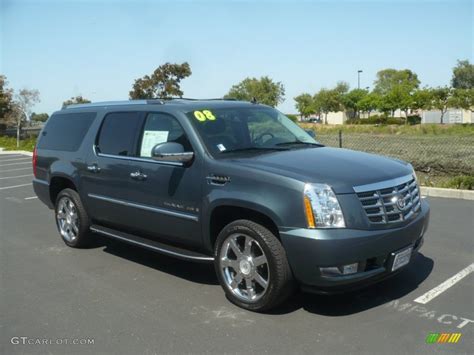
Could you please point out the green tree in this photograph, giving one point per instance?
(305, 104)
(39, 117)
(326, 101)
(441, 100)
(463, 75)
(388, 79)
(264, 90)
(369, 103)
(352, 99)
(6, 98)
(163, 83)
(75, 100)
(462, 98)
(23, 101)
(422, 99)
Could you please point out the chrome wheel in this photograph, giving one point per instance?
(67, 219)
(244, 267)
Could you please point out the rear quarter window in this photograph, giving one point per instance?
(66, 131)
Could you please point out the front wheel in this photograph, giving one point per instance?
(252, 267)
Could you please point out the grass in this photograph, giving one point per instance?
(9, 143)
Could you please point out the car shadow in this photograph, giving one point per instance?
(191, 271)
(335, 305)
(372, 296)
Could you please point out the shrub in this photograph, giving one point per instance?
(294, 118)
(464, 182)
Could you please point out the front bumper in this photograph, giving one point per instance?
(309, 249)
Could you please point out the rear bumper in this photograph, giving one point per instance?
(41, 188)
(308, 250)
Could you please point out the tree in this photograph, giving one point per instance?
(163, 83)
(462, 98)
(6, 98)
(24, 100)
(463, 75)
(39, 117)
(352, 99)
(305, 104)
(388, 79)
(441, 100)
(422, 99)
(76, 100)
(264, 90)
(369, 103)
(327, 101)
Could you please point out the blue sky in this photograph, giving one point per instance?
(97, 48)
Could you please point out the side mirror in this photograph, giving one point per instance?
(311, 133)
(171, 152)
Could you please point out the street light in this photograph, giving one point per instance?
(358, 78)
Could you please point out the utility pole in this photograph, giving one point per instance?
(358, 78)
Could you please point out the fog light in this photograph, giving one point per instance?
(339, 270)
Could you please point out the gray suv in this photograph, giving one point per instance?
(234, 183)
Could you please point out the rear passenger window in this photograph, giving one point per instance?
(160, 128)
(66, 131)
(117, 134)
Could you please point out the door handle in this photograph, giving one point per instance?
(138, 175)
(93, 168)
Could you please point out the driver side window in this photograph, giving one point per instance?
(161, 128)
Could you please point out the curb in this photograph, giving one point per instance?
(24, 152)
(447, 193)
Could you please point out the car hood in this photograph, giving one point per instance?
(340, 168)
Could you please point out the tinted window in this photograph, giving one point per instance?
(160, 128)
(117, 133)
(66, 131)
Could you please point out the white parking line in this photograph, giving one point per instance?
(428, 296)
(3, 157)
(16, 159)
(13, 177)
(6, 171)
(12, 187)
(25, 162)
(31, 198)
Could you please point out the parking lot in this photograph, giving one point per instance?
(120, 299)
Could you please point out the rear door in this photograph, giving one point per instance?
(106, 178)
(167, 197)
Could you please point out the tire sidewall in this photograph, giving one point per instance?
(82, 216)
(233, 228)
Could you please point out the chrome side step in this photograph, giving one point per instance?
(152, 245)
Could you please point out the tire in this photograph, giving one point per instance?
(243, 276)
(74, 230)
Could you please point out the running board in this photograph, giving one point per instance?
(152, 245)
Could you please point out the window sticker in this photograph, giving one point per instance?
(204, 115)
(150, 139)
(221, 147)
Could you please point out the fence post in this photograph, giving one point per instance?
(340, 138)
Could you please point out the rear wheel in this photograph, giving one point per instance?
(252, 267)
(71, 219)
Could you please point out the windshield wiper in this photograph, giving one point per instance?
(300, 142)
(249, 149)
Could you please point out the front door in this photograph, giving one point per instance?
(166, 197)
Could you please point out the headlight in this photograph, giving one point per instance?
(322, 207)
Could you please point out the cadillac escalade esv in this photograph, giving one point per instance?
(233, 183)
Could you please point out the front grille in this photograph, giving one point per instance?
(391, 204)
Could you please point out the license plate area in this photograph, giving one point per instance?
(401, 258)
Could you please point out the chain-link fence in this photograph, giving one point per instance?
(436, 159)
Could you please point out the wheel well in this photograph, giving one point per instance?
(223, 215)
(58, 184)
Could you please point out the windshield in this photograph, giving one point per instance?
(256, 129)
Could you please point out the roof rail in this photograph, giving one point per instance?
(142, 102)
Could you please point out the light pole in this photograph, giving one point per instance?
(358, 78)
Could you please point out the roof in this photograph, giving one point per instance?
(178, 102)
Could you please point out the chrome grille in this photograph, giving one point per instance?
(391, 204)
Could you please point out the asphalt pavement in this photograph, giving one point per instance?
(114, 298)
